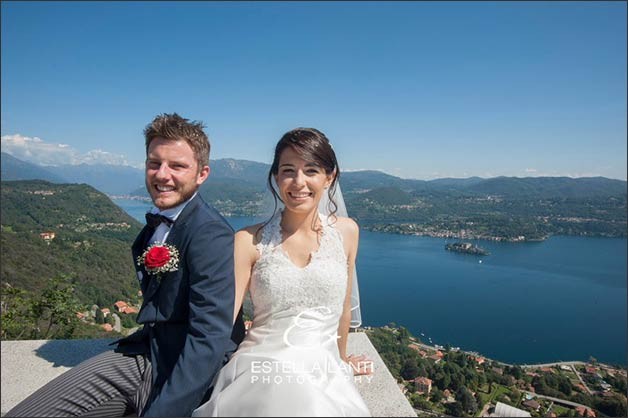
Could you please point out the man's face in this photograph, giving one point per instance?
(172, 174)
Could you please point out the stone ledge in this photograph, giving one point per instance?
(29, 364)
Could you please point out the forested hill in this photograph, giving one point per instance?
(504, 187)
(501, 208)
(91, 244)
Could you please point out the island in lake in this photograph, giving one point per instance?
(467, 248)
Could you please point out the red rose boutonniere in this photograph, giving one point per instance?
(159, 258)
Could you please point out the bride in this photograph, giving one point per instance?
(298, 268)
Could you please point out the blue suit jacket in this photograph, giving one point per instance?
(188, 314)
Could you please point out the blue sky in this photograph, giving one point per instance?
(416, 89)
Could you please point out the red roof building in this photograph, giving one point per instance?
(532, 404)
(47, 236)
(423, 385)
(130, 310)
(435, 358)
(120, 305)
(583, 411)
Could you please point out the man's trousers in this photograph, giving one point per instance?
(107, 385)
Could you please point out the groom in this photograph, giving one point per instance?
(184, 263)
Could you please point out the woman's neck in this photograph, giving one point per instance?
(292, 222)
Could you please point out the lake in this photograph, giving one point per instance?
(561, 299)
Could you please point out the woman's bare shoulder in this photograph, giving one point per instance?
(347, 227)
(251, 234)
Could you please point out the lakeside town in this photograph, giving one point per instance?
(441, 232)
(441, 380)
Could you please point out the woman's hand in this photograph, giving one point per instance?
(361, 365)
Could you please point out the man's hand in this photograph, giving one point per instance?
(361, 365)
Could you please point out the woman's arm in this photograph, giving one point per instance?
(361, 364)
(350, 234)
(245, 256)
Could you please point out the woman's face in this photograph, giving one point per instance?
(301, 183)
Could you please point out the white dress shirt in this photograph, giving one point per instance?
(162, 231)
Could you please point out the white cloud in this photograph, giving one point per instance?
(351, 170)
(104, 157)
(348, 170)
(35, 150)
(533, 172)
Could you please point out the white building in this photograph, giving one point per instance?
(504, 410)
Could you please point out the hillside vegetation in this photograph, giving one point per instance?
(91, 244)
(499, 208)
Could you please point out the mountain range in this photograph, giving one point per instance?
(233, 179)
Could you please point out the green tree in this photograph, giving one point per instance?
(565, 386)
(442, 380)
(471, 378)
(128, 320)
(480, 400)
(514, 371)
(481, 379)
(515, 395)
(56, 308)
(419, 401)
(436, 395)
(455, 409)
(457, 380)
(404, 334)
(409, 370)
(466, 399)
(18, 320)
(618, 382)
(100, 317)
(613, 407)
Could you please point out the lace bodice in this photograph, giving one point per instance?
(278, 285)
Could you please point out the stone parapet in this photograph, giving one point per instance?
(29, 364)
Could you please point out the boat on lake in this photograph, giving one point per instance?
(466, 248)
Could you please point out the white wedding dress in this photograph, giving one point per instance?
(288, 363)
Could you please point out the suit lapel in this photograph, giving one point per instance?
(180, 225)
(136, 250)
(149, 282)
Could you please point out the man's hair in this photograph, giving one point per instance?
(174, 127)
